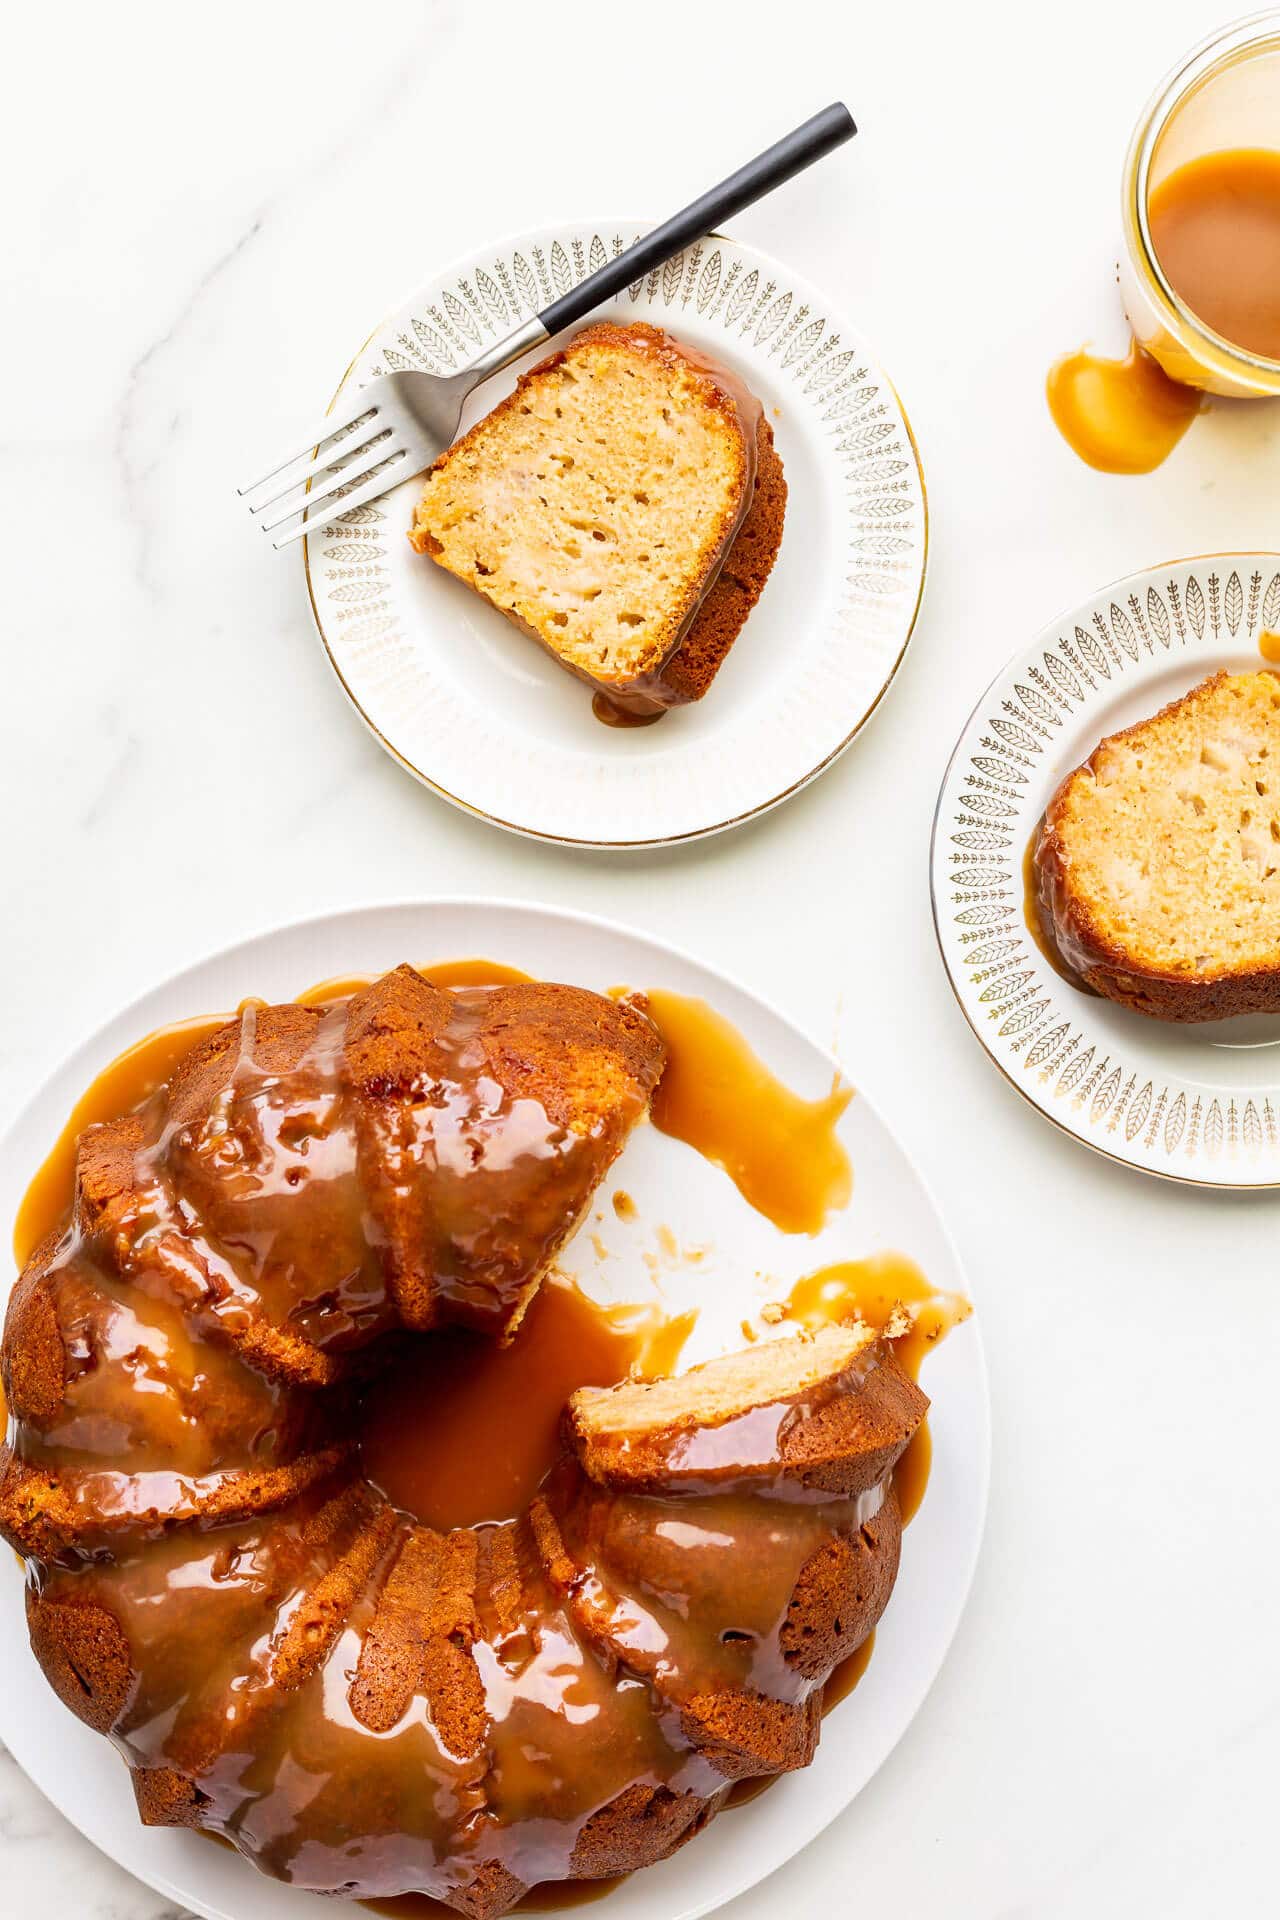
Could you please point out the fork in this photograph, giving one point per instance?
(400, 422)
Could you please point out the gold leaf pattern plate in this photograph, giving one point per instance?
(1197, 1103)
(477, 712)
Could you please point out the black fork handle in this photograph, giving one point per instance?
(789, 156)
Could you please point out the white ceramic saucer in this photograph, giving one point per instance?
(674, 1188)
(479, 713)
(1198, 1103)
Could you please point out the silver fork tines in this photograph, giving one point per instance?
(405, 420)
(346, 473)
(393, 428)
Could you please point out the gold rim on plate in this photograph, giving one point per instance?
(466, 265)
(1125, 629)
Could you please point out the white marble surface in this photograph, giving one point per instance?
(206, 213)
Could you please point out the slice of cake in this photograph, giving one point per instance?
(1158, 861)
(841, 1410)
(623, 506)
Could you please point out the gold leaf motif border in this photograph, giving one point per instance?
(851, 404)
(987, 831)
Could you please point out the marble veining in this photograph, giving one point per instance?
(204, 219)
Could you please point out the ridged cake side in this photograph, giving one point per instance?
(360, 1703)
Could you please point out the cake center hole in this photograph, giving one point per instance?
(459, 1430)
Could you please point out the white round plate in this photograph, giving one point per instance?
(1199, 1103)
(673, 1188)
(476, 709)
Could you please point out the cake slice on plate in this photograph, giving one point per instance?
(1158, 861)
(623, 507)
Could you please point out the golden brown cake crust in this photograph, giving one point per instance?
(1073, 918)
(722, 615)
(217, 1586)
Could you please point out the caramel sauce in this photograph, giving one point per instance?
(1034, 919)
(410, 1906)
(1269, 648)
(341, 987)
(611, 715)
(389, 1704)
(874, 1290)
(473, 973)
(568, 1893)
(1119, 416)
(124, 1084)
(543, 1899)
(1215, 228)
(134, 1075)
(441, 973)
(782, 1152)
(743, 1792)
(624, 1206)
(911, 1475)
(661, 1337)
(428, 1435)
(845, 1677)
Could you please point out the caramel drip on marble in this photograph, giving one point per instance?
(1119, 416)
(1215, 231)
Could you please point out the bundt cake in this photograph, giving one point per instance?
(623, 506)
(360, 1703)
(1157, 863)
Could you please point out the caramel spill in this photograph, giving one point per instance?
(888, 1292)
(781, 1152)
(1120, 416)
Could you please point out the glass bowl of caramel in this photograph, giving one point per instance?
(1200, 276)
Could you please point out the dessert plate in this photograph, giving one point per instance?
(481, 715)
(696, 1240)
(1198, 1103)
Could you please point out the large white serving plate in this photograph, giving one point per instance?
(476, 709)
(742, 1261)
(1198, 1103)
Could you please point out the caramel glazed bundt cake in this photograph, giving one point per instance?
(361, 1704)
